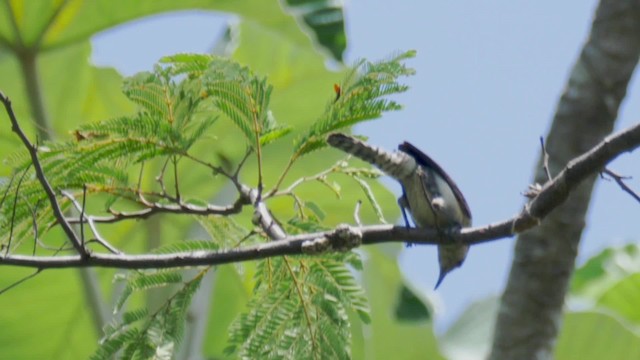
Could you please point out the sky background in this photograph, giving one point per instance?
(489, 76)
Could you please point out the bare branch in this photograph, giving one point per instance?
(88, 219)
(262, 216)
(158, 208)
(356, 213)
(545, 159)
(33, 152)
(18, 282)
(620, 181)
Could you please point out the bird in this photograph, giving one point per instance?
(429, 194)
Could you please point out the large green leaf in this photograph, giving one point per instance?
(602, 271)
(596, 336)
(49, 24)
(326, 20)
(623, 298)
(469, 337)
(386, 337)
(44, 317)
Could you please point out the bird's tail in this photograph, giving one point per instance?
(396, 164)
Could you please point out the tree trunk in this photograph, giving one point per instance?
(531, 307)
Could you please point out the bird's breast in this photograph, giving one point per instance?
(432, 202)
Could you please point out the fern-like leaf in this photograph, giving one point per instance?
(143, 281)
(142, 335)
(299, 310)
(361, 98)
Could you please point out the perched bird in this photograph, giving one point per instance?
(428, 193)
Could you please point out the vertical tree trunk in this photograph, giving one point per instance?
(531, 307)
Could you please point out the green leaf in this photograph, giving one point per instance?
(187, 246)
(160, 332)
(602, 271)
(299, 309)
(361, 97)
(316, 210)
(224, 231)
(326, 22)
(410, 307)
(471, 334)
(274, 134)
(595, 336)
(623, 298)
(143, 281)
(387, 337)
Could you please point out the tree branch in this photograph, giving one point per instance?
(33, 152)
(341, 238)
(158, 208)
(532, 304)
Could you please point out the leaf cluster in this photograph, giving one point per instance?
(360, 97)
(300, 309)
(145, 335)
(301, 305)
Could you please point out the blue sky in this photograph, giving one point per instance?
(489, 75)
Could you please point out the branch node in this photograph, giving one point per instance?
(345, 238)
(524, 221)
(316, 246)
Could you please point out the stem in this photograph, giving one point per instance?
(29, 67)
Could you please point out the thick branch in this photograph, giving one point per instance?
(532, 305)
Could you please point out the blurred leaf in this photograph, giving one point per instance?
(623, 298)
(410, 308)
(469, 337)
(386, 337)
(44, 321)
(326, 20)
(52, 24)
(602, 271)
(596, 336)
(229, 299)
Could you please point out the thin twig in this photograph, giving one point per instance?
(241, 164)
(20, 281)
(317, 177)
(140, 178)
(356, 213)
(257, 131)
(160, 177)
(175, 178)
(620, 181)
(34, 223)
(91, 223)
(545, 159)
(84, 203)
(282, 177)
(33, 152)
(158, 208)
(15, 205)
(6, 192)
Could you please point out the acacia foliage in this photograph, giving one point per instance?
(300, 306)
